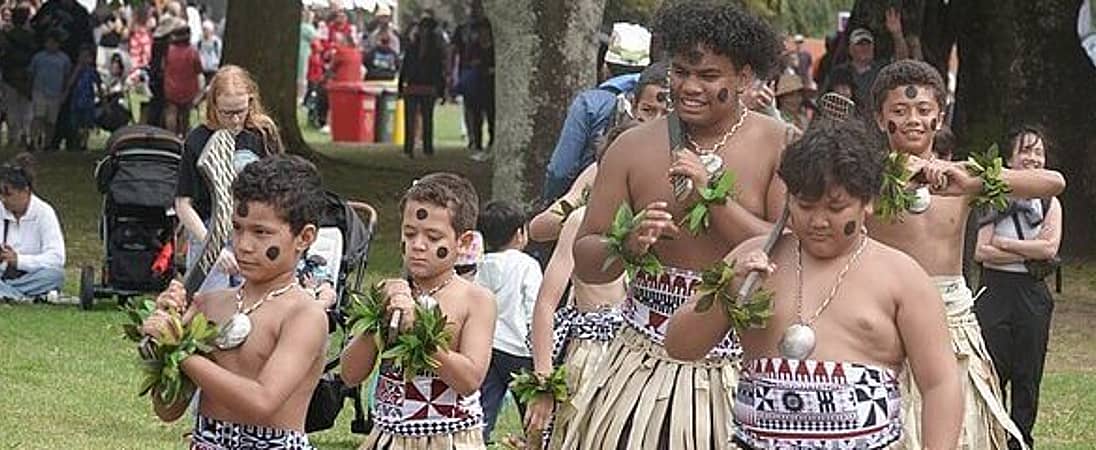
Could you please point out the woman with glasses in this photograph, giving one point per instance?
(233, 103)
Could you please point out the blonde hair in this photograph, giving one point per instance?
(236, 79)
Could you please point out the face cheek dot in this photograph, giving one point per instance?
(272, 253)
(403, 247)
(724, 95)
(932, 125)
(892, 127)
(241, 209)
(421, 214)
(850, 228)
(443, 252)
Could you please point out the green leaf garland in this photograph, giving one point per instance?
(716, 285)
(989, 167)
(718, 191)
(161, 359)
(895, 198)
(526, 385)
(623, 223)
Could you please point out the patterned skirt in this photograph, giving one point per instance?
(470, 439)
(986, 422)
(213, 434)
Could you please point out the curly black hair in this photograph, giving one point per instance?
(722, 27)
(833, 153)
(907, 72)
(499, 221)
(290, 184)
(447, 190)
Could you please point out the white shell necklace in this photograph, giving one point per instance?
(799, 339)
(234, 333)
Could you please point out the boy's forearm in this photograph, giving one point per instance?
(460, 372)
(1034, 183)
(737, 224)
(941, 414)
(358, 359)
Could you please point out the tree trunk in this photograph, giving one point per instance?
(263, 36)
(547, 53)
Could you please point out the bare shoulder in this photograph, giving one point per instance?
(893, 261)
(641, 138)
(772, 130)
(474, 295)
(304, 308)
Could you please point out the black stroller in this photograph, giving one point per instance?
(341, 249)
(138, 224)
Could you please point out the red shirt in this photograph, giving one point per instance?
(347, 63)
(315, 66)
(181, 69)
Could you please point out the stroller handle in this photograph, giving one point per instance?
(369, 210)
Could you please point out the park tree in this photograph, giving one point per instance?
(546, 53)
(262, 36)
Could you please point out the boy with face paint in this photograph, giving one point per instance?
(909, 98)
(715, 49)
(256, 391)
(863, 300)
(439, 215)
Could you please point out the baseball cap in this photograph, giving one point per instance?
(861, 35)
(629, 45)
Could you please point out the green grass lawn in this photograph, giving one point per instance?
(69, 380)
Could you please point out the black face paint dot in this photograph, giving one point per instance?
(911, 92)
(443, 252)
(932, 125)
(241, 209)
(850, 228)
(272, 253)
(403, 247)
(892, 127)
(421, 214)
(724, 95)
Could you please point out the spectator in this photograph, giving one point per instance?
(209, 49)
(33, 249)
(116, 75)
(514, 277)
(473, 55)
(594, 111)
(49, 69)
(382, 62)
(791, 100)
(383, 28)
(422, 81)
(317, 76)
(140, 38)
(804, 61)
(84, 84)
(18, 49)
(111, 33)
(1014, 247)
(234, 103)
(863, 66)
(182, 68)
(308, 34)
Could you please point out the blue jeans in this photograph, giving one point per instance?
(32, 284)
(497, 383)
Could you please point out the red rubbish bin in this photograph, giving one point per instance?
(353, 111)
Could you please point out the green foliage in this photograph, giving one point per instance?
(718, 191)
(716, 286)
(161, 358)
(623, 223)
(414, 350)
(526, 385)
(894, 197)
(988, 166)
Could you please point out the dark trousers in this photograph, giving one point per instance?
(496, 383)
(1014, 314)
(477, 110)
(419, 105)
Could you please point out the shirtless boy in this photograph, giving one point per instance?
(909, 96)
(859, 303)
(256, 394)
(439, 410)
(715, 50)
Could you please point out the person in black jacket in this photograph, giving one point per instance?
(422, 81)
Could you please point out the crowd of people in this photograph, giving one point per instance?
(67, 71)
(627, 333)
(429, 60)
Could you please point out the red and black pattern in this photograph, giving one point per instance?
(652, 300)
(424, 406)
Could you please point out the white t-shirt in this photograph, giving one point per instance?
(515, 279)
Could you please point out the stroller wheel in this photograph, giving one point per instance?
(87, 287)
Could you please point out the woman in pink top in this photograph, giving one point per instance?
(140, 40)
